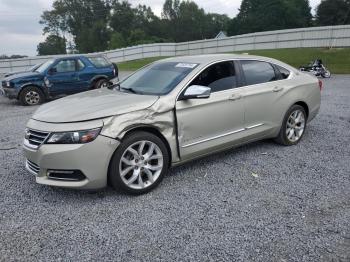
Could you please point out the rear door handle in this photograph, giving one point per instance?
(235, 97)
(277, 89)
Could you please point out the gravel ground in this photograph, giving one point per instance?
(260, 202)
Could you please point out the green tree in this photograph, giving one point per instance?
(85, 20)
(53, 45)
(189, 22)
(333, 12)
(265, 15)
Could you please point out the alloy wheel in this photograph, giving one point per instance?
(295, 126)
(141, 164)
(32, 98)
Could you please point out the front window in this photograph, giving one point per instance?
(157, 79)
(218, 77)
(44, 66)
(65, 66)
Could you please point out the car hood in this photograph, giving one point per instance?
(90, 105)
(24, 76)
(14, 73)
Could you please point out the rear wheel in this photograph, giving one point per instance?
(139, 164)
(326, 74)
(293, 126)
(31, 96)
(101, 83)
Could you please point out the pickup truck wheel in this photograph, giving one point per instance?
(31, 96)
(139, 164)
(101, 83)
(293, 126)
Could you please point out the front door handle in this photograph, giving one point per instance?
(277, 89)
(235, 97)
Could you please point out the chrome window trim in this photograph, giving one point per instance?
(235, 88)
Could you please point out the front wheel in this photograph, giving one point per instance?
(293, 126)
(31, 96)
(139, 164)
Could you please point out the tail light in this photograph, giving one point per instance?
(320, 84)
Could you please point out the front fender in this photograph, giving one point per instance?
(41, 87)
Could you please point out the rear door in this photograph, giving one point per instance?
(262, 92)
(205, 125)
(63, 77)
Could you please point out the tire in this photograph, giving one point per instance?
(31, 96)
(101, 83)
(130, 171)
(326, 74)
(292, 132)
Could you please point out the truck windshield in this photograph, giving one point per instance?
(158, 78)
(44, 66)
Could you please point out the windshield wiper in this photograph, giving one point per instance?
(130, 89)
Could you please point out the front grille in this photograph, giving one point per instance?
(32, 167)
(35, 138)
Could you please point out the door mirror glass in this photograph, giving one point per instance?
(52, 70)
(196, 92)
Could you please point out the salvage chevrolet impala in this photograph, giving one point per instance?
(165, 114)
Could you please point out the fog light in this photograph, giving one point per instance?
(65, 175)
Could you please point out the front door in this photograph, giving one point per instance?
(206, 125)
(63, 78)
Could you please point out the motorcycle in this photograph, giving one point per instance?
(317, 68)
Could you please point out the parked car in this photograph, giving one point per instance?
(167, 113)
(30, 69)
(59, 77)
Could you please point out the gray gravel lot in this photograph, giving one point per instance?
(296, 207)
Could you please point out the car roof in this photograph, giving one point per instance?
(210, 58)
(78, 56)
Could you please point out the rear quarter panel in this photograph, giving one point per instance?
(300, 88)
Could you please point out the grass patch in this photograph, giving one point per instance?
(337, 60)
(136, 64)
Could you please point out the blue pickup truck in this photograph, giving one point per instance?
(59, 77)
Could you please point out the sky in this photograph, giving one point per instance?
(20, 31)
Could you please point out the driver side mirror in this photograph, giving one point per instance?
(196, 92)
(52, 71)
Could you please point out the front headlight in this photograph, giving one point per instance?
(8, 84)
(77, 137)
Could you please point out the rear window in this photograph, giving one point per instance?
(258, 72)
(284, 72)
(99, 61)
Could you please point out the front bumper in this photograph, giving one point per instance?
(92, 159)
(9, 92)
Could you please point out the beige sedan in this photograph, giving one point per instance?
(165, 114)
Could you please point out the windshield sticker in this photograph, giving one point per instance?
(186, 65)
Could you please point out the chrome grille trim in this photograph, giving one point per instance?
(34, 138)
(32, 167)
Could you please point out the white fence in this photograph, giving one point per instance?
(330, 36)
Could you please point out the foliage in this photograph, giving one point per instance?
(99, 25)
(53, 45)
(265, 15)
(333, 12)
(11, 56)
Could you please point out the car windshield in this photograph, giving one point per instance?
(34, 67)
(44, 66)
(158, 78)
